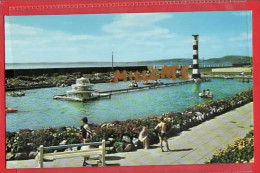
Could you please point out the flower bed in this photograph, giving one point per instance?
(240, 151)
(123, 134)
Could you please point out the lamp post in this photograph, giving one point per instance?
(112, 61)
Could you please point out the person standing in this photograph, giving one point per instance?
(86, 135)
(162, 133)
(143, 137)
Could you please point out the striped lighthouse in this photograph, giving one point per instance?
(195, 68)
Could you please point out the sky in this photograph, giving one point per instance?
(131, 36)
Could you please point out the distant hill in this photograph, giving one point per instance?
(230, 59)
(226, 60)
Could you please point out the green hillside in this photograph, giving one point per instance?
(226, 60)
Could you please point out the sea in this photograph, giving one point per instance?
(9, 66)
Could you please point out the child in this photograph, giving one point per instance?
(143, 137)
(162, 133)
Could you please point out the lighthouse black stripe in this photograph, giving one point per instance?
(195, 75)
(195, 47)
(195, 66)
(195, 57)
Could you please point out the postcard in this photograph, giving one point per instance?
(129, 89)
(62, 90)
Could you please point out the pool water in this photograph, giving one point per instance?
(38, 109)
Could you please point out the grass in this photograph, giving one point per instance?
(208, 71)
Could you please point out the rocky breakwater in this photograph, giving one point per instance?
(122, 134)
(30, 82)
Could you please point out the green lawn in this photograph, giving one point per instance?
(208, 71)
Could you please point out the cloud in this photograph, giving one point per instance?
(135, 33)
(141, 25)
(242, 13)
(244, 36)
(139, 20)
(21, 30)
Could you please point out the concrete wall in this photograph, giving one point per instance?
(64, 71)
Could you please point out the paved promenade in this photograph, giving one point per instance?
(194, 146)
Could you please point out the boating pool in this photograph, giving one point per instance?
(38, 110)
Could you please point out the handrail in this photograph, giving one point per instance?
(102, 151)
(71, 145)
(147, 87)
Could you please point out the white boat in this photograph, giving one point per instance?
(206, 96)
(133, 84)
(82, 91)
(153, 83)
(228, 77)
(148, 83)
(16, 93)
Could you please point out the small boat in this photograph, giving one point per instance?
(16, 94)
(158, 82)
(206, 96)
(228, 77)
(148, 83)
(133, 84)
(10, 110)
(245, 80)
(153, 83)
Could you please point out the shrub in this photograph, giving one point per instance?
(240, 151)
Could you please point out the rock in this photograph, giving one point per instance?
(64, 142)
(103, 125)
(110, 125)
(68, 150)
(21, 156)
(119, 149)
(111, 139)
(198, 113)
(32, 155)
(126, 139)
(74, 148)
(128, 148)
(135, 141)
(30, 144)
(9, 156)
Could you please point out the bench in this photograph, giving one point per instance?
(101, 151)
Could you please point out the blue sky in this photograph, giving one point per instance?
(133, 37)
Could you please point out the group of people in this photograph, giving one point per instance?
(143, 136)
(206, 93)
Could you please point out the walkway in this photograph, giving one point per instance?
(194, 146)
